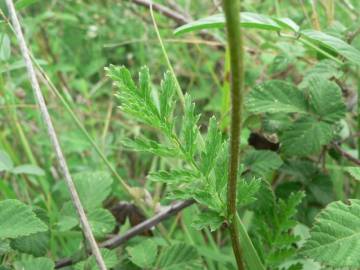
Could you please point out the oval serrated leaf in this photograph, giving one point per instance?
(335, 238)
(305, 136)
(276, 96)
(101, 222)
(143, 254)
(326, 100)
(178, 256)
(40, 263)
(93, 187)
(17, 219)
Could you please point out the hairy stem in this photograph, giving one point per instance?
(53, 137)
(236, 49)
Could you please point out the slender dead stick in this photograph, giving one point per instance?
(176, 16)
(53, 137)
(346, 155)
(134, 231)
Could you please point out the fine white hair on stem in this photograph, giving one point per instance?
(53, 137)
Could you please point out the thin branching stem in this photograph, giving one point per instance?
(53, 137)
(177, 84)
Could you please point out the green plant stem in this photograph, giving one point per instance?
(178, 87)
(236, 49)
(358, 116)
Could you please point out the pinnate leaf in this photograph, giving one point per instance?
(209, 219)
(150, 146)
(212, 147)
(174, 176)
(189, 128)
(166, 93)
(247, 190)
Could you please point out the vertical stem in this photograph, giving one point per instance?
(236, 49)
(358, 114)
(53, 137)
(168, 63)
(330, 11)
(315, 15)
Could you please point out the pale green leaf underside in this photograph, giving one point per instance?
(248, 19)
(28, 169)
(341, 47)
(6, 163)
(17, 219)
(335, 237)
(259, 21)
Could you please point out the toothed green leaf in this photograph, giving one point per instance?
(18, 219)
(262, 161)
(143, 254)
(174, 177)
(275, 97)
(189, 128)
(325, 98)
(178, 256)
(306, 136)
(209, 219)
(334, 239)
(93, 188)
(212, 147)
(150, 146)
(102, 222)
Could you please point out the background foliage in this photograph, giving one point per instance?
(298, 188)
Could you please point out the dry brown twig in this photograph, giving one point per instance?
(134, 231)
(53, 137)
